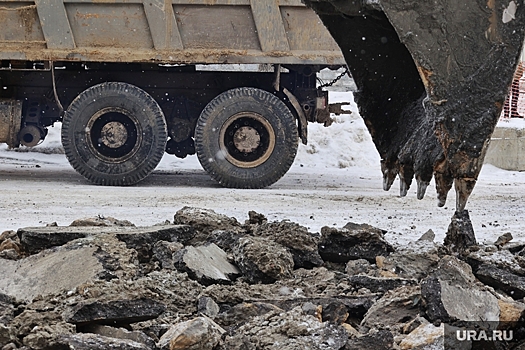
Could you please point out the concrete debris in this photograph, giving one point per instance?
(511, 311)
(503, 239)
(334, 312)
(39, 329)
(301, 244)
(242, 313)
(356, 306)
(10, 250)
(396, 307)
(196, 334)
(287, 331)
(49, 272)
(204, 222)
(5, 336)
(88, 341)
(353, 242)
(207, 306)
(514, 247)
(255, 218)
(7, 309)
(119, 333)
(357, 267)
(262, 260)
(425, 337)
(207, 264)
(428, 236)
(415, 323)
(163, 252)
(10, 234)
(209, 282)
(451, 294)
(521, 252)
(379, 340)
(10, 246)
(225, 239)
(415, 260)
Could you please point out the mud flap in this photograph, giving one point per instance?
(432, 79)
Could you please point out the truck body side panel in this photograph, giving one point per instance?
(165, 31)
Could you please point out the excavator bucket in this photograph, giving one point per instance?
(432, 77)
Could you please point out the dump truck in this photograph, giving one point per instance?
(233, 81)
(432, 77)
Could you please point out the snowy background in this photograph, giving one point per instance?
(335, 179)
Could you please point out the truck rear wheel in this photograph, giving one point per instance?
(114, 134)
(246, 138)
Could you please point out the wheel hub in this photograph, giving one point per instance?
(114, 134)
(246, 139)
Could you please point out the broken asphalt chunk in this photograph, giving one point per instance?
(460, 235)
(113, 312)
(36, 239)
(143, 239)
(506, 281)
(356, 306)
(379, 284)
(503, 259)
(353, 242)
(101, 221)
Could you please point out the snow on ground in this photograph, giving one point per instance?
(513, 123)
(335, 179)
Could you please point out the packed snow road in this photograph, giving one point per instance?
(334, 180)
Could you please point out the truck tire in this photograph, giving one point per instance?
(114, 134)
(246, 138)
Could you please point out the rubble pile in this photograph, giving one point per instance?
(206, 281)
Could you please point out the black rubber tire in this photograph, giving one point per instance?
(109, 109)
(254, 109)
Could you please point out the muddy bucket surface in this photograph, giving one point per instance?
(432, 77)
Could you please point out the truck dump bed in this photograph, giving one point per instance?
(171, 31)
